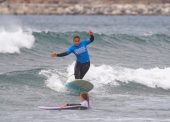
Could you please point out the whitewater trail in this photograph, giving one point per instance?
(105, 74)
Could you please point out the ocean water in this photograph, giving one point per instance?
(130, 68)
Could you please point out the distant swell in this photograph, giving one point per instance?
(55, 37)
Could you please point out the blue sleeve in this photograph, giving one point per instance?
(69, 50)
(86, 41)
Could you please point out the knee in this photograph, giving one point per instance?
(77, 76)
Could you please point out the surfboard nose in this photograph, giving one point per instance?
(78, 86)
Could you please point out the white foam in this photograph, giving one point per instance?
(105, 74)
(13, 41)
(155, 77)
(99, 75)
(53, 81)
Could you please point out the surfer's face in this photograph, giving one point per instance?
(76, 41)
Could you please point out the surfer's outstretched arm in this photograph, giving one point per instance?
(70, 104)
(54, 54)
(62, 54)
(69, 51)
(73, 104)
(88, 41)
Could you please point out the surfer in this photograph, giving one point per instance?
(83, 105)
(79, 48)
(84, 102)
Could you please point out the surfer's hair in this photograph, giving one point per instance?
(76, 37)
(85, 96)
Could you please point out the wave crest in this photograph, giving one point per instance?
(13, 41)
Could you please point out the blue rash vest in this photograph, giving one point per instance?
(80, 51)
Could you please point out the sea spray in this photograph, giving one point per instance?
(53, 81)
(13, 41)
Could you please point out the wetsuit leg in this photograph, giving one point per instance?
(77, 69)
(84, 69)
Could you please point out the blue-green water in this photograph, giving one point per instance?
(130, 67)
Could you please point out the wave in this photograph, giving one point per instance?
(14, 41)
(51, 36)
(11, 41)
(106, 79)
(115, 42)
(22, 78)
(104, 75)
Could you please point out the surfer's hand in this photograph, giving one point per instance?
(64, 105)
(53, 54)
(90, 33)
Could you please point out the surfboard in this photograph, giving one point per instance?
(78, 86)
(78, 107)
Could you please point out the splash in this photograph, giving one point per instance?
(13, 41)
(53, 80)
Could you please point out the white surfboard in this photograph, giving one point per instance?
(76, 107)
